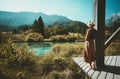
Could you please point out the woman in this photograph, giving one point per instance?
(89, 54)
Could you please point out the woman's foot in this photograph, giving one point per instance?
(93, 66)
(90, 65)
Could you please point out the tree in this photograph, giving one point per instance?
(38, 26)
(41, 25)
(59, 30)
(35, 26)
(47, 32)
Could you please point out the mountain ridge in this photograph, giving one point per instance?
(16, 19)
(115, 18)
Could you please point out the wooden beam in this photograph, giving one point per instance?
(99, 15)
(111, 38)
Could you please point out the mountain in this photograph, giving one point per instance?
(115, 18)
(16, 19)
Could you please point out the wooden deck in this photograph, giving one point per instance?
(111, 70)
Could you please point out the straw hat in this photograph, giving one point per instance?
(91, 24)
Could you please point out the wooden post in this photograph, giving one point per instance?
(99, 19)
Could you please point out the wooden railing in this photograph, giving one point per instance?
(112, 37)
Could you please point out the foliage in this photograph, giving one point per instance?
(113, 49)
(69, 37)
(56, 30)
(4, 27)
(38, 26)
(19, 63)
(30, 36)
(59, 30)
(115, 25)
(34, 37)
(15, 59)
(14, 56)
(22, 28)
(48, 32)
(59, 60)
(77, 27)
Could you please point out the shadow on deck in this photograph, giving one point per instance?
(111, 69)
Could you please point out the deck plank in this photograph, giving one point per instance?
(116, 76)
(109, 76)
(102, 75)
(118, 61)
(87, 69)
(82, 65)
(109, 61)
(113, 62)
(90, 73)
(110, 71)
(95, 74)
(106, 58)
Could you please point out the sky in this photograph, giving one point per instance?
(80, 10)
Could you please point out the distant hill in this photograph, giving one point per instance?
(16, 19)
(12, 20)
(115, 18)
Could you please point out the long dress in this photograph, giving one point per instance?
(89, 52)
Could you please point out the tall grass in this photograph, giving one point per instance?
(15, 59)
(58, 64)
(19, 63)
(113, 49)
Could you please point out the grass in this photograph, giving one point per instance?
(113, 49)
(58, 64)
(15, 59)
(30, 36)
(19, 63)
(69, 37)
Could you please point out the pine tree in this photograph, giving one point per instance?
(35, 26)
(41, 25)
(38, 26)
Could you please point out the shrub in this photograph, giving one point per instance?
(30, 36)
(60, 59)
(62, 38)
(34, 37)
(113, 49)
(22, 64)
(68, 50)
(14, 56)
(59, 64)
(66, 37)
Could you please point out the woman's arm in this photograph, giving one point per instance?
(87, 35)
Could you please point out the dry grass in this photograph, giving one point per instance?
(69, 37)
(57, 64)
(113, 49)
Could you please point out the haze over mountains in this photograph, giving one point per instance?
(16, 19)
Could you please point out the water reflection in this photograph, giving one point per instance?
(39, 48)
